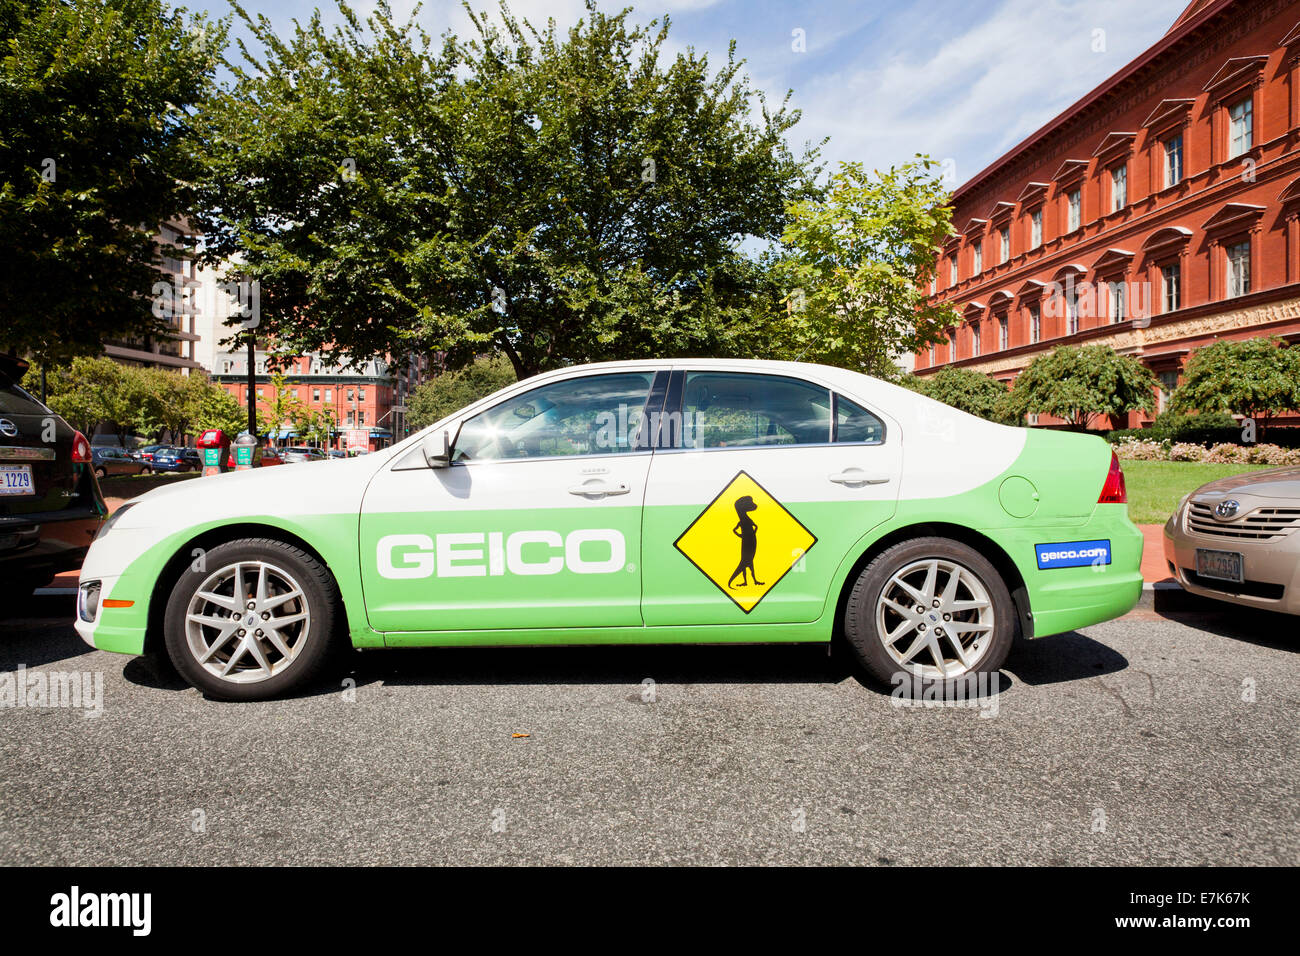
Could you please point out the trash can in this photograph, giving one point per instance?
(213, 447)
(248, 452)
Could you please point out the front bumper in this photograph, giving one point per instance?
(1270, 567)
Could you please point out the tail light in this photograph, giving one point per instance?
(80, 449)
(1113, 491)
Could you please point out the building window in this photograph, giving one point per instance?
(952, 270)
(977, 259)
(351, 422)
(1241, 127)
(361, 418)
(1174, 160)
(952, 346)
(1071, 309)
(1002, 333)
(933, 285)
(1005, 236)
(1074, 204)
(361, 395)
(350, 393)
(329, 394)
(1239, 269)
(1118, 188)
(1172, 281)
(259, 393)
(1035, 324)
(315, 394)
(1035, 229)
(932, 354)
(974, 340)
(1168, 382)
(1118, 300)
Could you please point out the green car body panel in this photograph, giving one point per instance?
(618, 572)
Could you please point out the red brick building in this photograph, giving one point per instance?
(366, 404)
(1155, 215)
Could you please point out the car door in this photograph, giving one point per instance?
(535, 523)
(760, 485)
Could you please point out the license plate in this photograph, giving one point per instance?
(1220, 565)
(16, 480)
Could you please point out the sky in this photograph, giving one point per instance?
(960, 80)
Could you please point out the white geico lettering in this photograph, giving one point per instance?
(462, 554)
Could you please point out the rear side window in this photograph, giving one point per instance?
(15, 401)
(853, 423)
(740, 410)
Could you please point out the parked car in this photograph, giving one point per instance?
(1235, 540)
(269, 457)
(112, 460)
(338, 453)
(146, 455)
(50, 503)
(177, 459)
(300, 453)
(691, 501)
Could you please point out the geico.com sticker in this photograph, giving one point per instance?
(745, 541)
(480, 554)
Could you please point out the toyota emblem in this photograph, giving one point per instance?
(1226, 510)
(8, 428)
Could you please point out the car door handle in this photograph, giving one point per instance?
(855, 476)
(599, 489)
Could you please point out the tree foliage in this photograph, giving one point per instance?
(439, 397)
(1253, 377)
(857, 266)
(95, 143)
(965, 389)
(554, 196)
(150, 402)
(1079, 384)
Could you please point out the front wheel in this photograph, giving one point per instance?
(256, 621)
(929, 612)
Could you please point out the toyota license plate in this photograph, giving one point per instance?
(1220, 565)
(16, 480)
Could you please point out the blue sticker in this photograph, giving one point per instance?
(1072, 554)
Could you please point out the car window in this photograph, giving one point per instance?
(15, 401)
(853, 423)
(738, 410)
(594, 415)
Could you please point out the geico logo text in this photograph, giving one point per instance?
(478, 554)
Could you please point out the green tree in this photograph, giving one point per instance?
(557, 197)
(450, 391)
(1079, 384)
(281, 407)
(966, 389)
(1256, 377)
(857, 267)
(90, 392)
(217, 408)
(95, 145)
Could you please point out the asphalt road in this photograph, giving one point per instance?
(1129, 742)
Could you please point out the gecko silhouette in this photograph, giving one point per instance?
(747, 531)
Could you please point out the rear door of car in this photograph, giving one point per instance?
(758, 487)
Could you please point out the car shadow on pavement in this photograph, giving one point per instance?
(27, 638)
(1061, 658)
(1251, 625)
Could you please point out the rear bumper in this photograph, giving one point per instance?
(47, 544)
(1067, 598)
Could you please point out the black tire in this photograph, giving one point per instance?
(321, 635)
(862, 629)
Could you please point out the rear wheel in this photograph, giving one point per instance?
(932, 610)
(257, 621)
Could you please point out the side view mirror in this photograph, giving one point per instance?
(437, 449)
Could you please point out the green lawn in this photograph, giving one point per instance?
(1156, 487)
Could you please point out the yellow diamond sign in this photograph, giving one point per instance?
(745, 541)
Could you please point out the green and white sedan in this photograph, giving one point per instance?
(676, 501)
